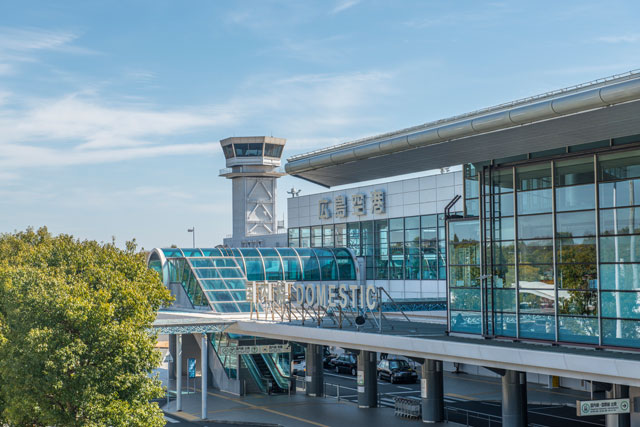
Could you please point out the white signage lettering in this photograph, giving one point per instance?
(341, 207)
(602, 407)
(359, 207)
(358, 204)
(325, 212)
(254, 349)
(377, 202)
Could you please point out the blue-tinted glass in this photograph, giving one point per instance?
(254, 269)
(579, 249)
(204, 262)
(273, 268)
(505, 300)
(472, 207)
(574, 171)
(504, 324)
(310, 268)
(537, 300)
(504, 276)
(503, 205)
(534, 177)
(578, 303)
(465, 299)
(538, 326)
(172, 252)
(534, 276)
(460, 231)
(207, 273)
(224, 262)
(503, 229)
(620, 276)
(225, 308)
(219, 296)
(235, 283)
(412, 222)
(535, 226)
(429, 221)
(303, 252)
(192, 253)
(620, 249)
(323, 252)
(328, 268)
(535, 251)
(346, 269)
(268, 251)
(292, 270)
(619, 193)
(468, 322)
(396, 224)
(578, 329)
(250, 252)
(620, 221)
(464, 276)
(536, 201)
(576, 224)
(620, 304)
(212, 285)
(575, 198)
(211, 252)
(341, 253)
(621, 165)
(272, 150)
(286, 252)
(577, 276)
(624, 333)
(231, 273)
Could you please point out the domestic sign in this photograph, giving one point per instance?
(602, 407)
(191, 368)
(254, 349)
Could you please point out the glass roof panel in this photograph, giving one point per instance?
(286, 252)
(268, 252)
(341, 252)
(231, 273)
(192, 252)
(207, 273)
(172, 252)
(235, 283)
(225, 262)
(212, 284)
(249, 252)
(304, 251)
(204, 262)
(211, 252)
(323, 252)
(216, 296)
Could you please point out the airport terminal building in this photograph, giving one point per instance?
(532, 238)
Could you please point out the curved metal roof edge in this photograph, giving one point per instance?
(587, 96)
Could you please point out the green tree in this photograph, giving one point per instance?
(75, 345)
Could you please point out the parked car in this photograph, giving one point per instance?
(327, 360)
(347, 362)
(299, 367)
(396, 370)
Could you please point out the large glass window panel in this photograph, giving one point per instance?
(620, 249)
(538, 326)
(620, 221)
(460, 231)
(412, 222)
(535, 251)
(346, 269)
(620, 276)
(502, 180)
(305, 237)
(292, 268)
(503, 229)
(620, 165)
(429, 266)
(504, 324)
(576, 250)
(396, 224)
(310, 268)
(228, 151)
(624, 333)
(503, 205)
(504, 276)
(254, 269)
(504, 252)
(537, 300)
(341, 235)
(578, 329)
(505, 300)
(327, 238)
(534, 177)
(472, 207)
(273, 268)
(411, 237)
(396, 270)
(619, 193)
(273, 150)
(535, 276)
(575, 198)
(412, 267)
(429, 237)
(381, 266)
(429, 221)
(466, 321)
(576, 224)
(316, 236)
(620, 304)
(204, 262)
(464, 276)
(366, 233)
(535, 226)
(470, 181)
(213, 284)
(207, 273)
(465, 253)
(577, 276)
(536, 201)
(583, 303)
(465, 299)
(575, 171)
(353, 235)
(328, 268)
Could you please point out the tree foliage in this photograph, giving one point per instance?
(75, 346)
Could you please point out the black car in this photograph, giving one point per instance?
(346, 362)
(396, 370)
(327, 360)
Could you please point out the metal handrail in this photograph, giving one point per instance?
(394, 303)
(577, 87)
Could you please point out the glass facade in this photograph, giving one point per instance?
(216, 277)
(410, 248)
(552, 252)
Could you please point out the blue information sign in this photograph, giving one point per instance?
(191, 367)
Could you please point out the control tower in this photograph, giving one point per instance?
(253, 166)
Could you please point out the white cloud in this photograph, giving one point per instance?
(624, 38)
(344, 5)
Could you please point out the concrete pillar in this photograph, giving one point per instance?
(432, 391)
(618, 420)
(205, 368)
(178, 360)
(367, 379)
(514, 399)
(314, 376)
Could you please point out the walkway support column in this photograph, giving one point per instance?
(205, 368)
(367, 379)
(172, 365)
(618, 420)
(514, 399)
(178, 372)
(314, 377)
(432, 391)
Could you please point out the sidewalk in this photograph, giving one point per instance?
(296, 410)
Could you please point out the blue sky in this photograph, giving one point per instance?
(111, 111)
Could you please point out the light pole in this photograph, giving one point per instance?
(193, 230)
